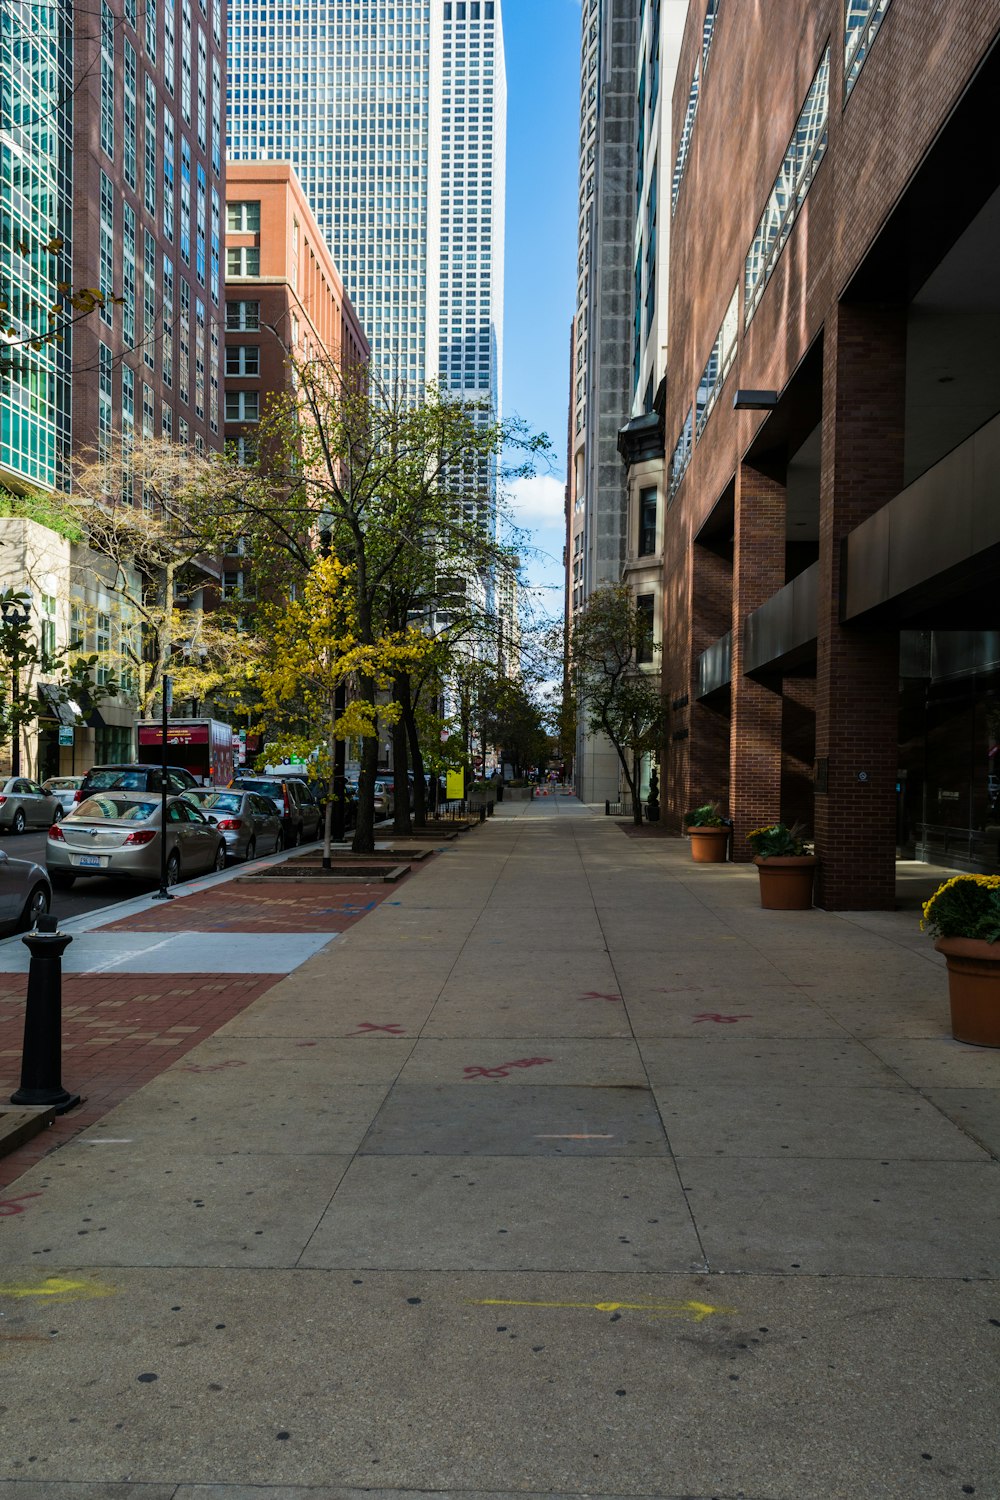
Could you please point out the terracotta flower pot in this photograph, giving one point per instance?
(973, 989)
(786, 881)
(708, 845)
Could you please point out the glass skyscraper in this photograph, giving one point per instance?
(393, 115)
(36, 176)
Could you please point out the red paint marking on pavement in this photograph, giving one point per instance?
(502, 1070)
(713, 1015)
(597, 995)
(365, 1028)
(230, 1062)
(10, 1206)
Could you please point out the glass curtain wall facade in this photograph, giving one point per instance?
(36, 174)
(393, 117)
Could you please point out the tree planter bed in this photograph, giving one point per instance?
(370, 874)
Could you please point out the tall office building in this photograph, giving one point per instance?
(393, 115)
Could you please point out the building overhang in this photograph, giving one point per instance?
(641, 439)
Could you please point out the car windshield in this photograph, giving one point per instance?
(268, 788)
(215, 801)
(115, 807)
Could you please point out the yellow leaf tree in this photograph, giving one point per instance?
(314, 646)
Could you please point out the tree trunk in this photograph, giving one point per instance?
(416, 757)
(401, 782)
(636, 785)
(364, 833)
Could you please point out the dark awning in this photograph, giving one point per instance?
(59, 710)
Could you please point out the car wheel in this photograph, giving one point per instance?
(173, 869)
(61, 881)
(220, 859)
(251, 850)
(18, 824)
(36, 906)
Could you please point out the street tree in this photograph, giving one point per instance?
(608, 648)
(312, 649)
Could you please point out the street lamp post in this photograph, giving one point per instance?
(16, 610)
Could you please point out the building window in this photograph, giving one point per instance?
(167, 343)
(149, 158)
(102, 645)
(242, 260)
(803, 155)
(243, 359)
(242, 317)
(243, 218)
(129, 115)
(719, 364)
(107, 248)
(128, 275)
(694, 95)
(104, 422)
(48, 627)
(107, 79)
(168, 174)
(644, 638)
(184, 345)
(242, 406)
(150, 6)
(149, 300)
(647, 522)
(862, 19)
(681, 456)
(199, 357)
(215, 247)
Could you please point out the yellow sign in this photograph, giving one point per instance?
(455, 786)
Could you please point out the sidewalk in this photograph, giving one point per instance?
(565, 1170)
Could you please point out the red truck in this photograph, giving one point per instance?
(202, 746)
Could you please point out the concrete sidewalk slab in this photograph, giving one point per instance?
(845, 1217)
(451, 1120)
(507, 1213)
(738, 1062)
(791, 1123)
(795, 1389)
(516, 1061)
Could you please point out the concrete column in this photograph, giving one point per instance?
(755, 739)
(857, 669)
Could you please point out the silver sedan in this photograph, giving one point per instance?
(249, 822)
(119, 834)
(25, 893)
(63, 789)
(23, 805)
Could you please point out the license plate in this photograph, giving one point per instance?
(94, 860)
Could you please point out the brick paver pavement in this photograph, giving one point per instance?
(246, 906)
(119, 1031)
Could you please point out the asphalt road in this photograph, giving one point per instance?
(87, 895)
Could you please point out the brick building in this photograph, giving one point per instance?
(832, 423)
(284, 297)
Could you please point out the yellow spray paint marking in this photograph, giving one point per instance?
(58, 1289)
(696, 1311)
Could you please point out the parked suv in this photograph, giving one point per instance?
(300, 813)
(138, 777)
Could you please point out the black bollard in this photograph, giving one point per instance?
(41, 1057)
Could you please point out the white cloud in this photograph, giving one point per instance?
(537, 501)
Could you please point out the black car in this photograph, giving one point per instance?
(136, 777)
(300, 812)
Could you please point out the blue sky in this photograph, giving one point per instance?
(542, 39)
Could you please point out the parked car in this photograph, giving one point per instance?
(249, 823)
(385, 798)
(63, 789)
(118, 833)
(25, 893)
(298, 808)
(23, 805)
(137, 777)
